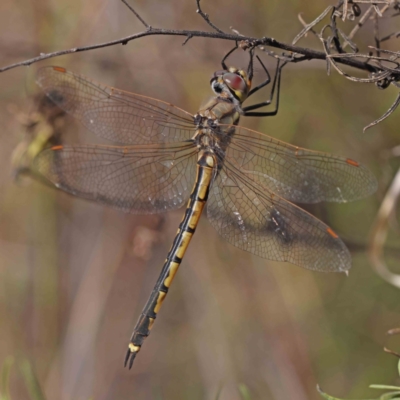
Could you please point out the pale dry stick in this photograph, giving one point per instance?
(311, 25)
(235, 31)
(375, 19)
(348, 38)
(304, 23)
(384, 116)
(373, 1)
(394, 331)
(378, 59)
(394, 225)
(347, 41)
(369, 57)
(391, 75)
(393, 53)
(385, 8)
(393, 353)
(345, 10)
(359, 25)
(377, 10)
(331, 57)
(308, 27)
(376, 78)
(379, 233)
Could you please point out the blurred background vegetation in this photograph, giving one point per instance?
(74, 275)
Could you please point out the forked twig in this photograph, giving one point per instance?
(206, 17)
(311, 25)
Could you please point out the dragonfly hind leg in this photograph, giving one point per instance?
(248, 111)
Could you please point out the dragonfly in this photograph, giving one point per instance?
(165, 157)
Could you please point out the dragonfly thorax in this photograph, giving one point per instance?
(217, 110)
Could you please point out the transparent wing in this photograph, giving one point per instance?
(113, 114)
(138, 179)
(251, 217)
(297, 174)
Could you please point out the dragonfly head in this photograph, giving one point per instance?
(233, 83)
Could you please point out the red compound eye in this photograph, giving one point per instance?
(235, 82)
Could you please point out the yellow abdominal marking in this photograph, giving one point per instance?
(133, 348)
(161, 297)
(172, 271)
(151, 322)
(180, 251)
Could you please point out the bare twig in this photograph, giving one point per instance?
(137, 15)
(186, 40)
(394, 331)
(345, 9)
(311, 25)
(348, 41)
(304, 23)
(265, 41)
(206, 17)
(393, 353)
(393, 53)
(372, 79)
(360, 23)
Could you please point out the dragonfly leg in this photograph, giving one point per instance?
(250, 68)
(276, 84)
(224, 66)
(262, 84)
(205, 170)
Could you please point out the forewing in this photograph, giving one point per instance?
(297, 174)
(113, 114)
(253, 218)
(137, 179)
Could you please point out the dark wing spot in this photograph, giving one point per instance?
(56, 96)
(278, 225)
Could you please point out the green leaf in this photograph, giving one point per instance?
(219, 392)
(385, 387)
(5, 378)
(327, 397)
(31, 382)
(390, 396)
(244, 392)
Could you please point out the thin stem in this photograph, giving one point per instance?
(206, 17)
(308, 53)
(137, 15)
